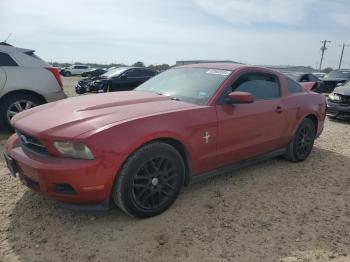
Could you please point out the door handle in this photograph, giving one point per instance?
(279, 109)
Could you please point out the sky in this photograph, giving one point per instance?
(269, 32)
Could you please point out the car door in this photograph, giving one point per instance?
(123, 82)
(248, 130)
(138, 77)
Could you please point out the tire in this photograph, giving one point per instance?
(14, 104)
(67, 73)
(301, 145)
(149, 181)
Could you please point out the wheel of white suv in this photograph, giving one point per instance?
(67, 73)
(15, 104)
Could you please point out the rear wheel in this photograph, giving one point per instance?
(302, 143)
(15, 104)
(150, 180)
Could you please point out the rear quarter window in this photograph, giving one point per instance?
(6, 60)
(294, 87)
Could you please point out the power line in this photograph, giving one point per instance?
(323, 49)
(342, 53)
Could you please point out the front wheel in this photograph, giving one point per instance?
(301, 145)
(67, 73)
(150, 180)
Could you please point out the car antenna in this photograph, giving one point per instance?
(7, 37)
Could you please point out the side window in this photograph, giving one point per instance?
(80, 67)
(262, 86)
(147, 73)
(137, 73)
(304, 78)
(294, 87)
(313, 78)
(6, 60)
(131, 73)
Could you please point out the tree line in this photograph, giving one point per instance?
(161, 67)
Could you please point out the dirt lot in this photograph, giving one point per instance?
(273, 211)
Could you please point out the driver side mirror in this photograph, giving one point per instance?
(123, 77)
(240, 98)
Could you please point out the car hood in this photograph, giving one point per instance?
(73, 116)
(342, 90)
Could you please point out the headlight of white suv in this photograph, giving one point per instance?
(334, 97)
(73, 150)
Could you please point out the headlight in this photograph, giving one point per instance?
(98, 83)
(73, 150)
(334, 97)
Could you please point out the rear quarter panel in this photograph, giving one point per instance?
(301, 105)
(38, 80)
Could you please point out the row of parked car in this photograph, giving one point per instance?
(27, 81)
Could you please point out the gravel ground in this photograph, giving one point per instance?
(273, 211)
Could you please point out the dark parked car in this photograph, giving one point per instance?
(119, 79)
(335, 78)
(95, 72)
(305, 78)
(338, 102)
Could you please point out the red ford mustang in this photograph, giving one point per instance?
(139, 148)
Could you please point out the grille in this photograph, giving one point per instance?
(32, 143)
(345, 100)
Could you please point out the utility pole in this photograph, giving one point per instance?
(323, 49)
(342, 53)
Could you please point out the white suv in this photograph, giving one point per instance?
(25, 81)
(75, 70)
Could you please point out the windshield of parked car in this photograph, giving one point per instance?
(345, 74)
(115, 72)
(194, 85)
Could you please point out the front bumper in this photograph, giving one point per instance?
(68, 180)
(335, 110)
(55, 96)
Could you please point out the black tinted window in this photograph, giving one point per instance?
(148, 73)
(131, 73)
(294, 87)
(80, 67)
(313, 78)
(304, 78)
(6, 60)
(262, 86)
(137, 73)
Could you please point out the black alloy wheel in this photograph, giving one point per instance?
(155, 183)
(305, 141)
(300, 147)
(150, 180)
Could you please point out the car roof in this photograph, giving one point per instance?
(219, 66)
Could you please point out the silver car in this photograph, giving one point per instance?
(25, 81)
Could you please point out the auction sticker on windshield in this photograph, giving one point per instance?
(218, 72)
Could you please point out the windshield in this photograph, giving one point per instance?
(347, 84)
(339, 74)
(194, 85)
(115, 72)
